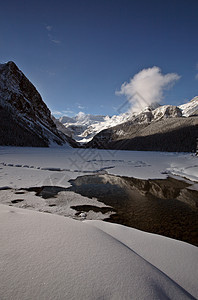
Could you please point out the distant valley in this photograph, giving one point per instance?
(165, 128)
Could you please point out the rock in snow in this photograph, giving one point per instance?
(45, 256)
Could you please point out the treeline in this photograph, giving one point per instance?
(172, 135)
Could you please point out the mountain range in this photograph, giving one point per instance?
(161, 128)
(167, 128)
(27, 121)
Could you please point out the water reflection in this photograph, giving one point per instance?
(163, 206)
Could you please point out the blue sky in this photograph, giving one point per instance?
(79, 53)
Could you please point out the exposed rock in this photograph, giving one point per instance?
(25, 118)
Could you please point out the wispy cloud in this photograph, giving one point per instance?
(50, 34)
(54, 41)
(56, 113)
(147, 87)
(48, 27)
(68, 111)
(81, 107)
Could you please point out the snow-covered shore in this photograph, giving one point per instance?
(45, 256)
(24, 167)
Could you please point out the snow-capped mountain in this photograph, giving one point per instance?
(83, 127)
(25, 118)
(190, 108)
(166, 128)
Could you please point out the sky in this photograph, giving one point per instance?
(103, 56)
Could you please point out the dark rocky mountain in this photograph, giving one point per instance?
(25, 119)
(163, 129)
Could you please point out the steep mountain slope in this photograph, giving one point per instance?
(190, 108)
(25, 118)
(64, 132)
(163, 129)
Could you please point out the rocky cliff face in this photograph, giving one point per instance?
(25, 118)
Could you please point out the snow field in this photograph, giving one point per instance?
(51, 257)
(20, 167)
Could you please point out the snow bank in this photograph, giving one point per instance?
(174, 258)
(44, 256)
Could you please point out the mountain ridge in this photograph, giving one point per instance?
(164, 129)
(84, 129)
(25, 118)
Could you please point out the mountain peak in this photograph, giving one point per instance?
(190, 107)
(11, 63)
(25, 118)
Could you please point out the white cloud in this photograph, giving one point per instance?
(147, 87)
(196, 76)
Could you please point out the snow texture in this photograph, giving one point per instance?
(190, 107)
(45, 256)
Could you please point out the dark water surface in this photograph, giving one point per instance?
(163, 206)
